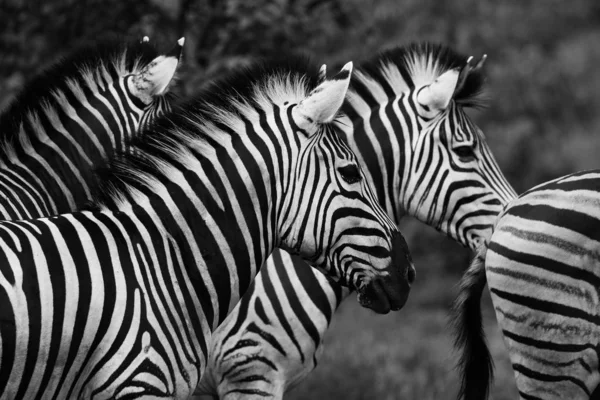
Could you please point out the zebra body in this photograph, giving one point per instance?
(72, 118)
(542, 267)
(424, 157)
(120, 301)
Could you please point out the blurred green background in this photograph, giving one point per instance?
(543, 82)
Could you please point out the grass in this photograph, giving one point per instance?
(406, 355)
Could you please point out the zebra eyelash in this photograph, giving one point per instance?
(466, 153)
(350, 173)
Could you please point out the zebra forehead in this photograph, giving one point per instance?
(105, 59)
(404, 68)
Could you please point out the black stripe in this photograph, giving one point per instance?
(453, 187)
(240, 344)
(526, 396)
(363, 91)
(126, 261)
(547, 306)
(545, 345)
(259, 309)
(277, 307)
(252, 378)
(7, 315)
(592, 184)
(31, 290)
(296, 306)
(231, 373)
(546, 264)
(340, 76)
(573, 220)
(543, 377)
(57, 282)
(307, 278)
(272, 340)
(227, 224)
(254, 392)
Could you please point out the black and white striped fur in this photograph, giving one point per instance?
(119, 302)
(407, 124)
(542, 266)
(72, 118)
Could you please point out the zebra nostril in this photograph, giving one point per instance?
(411, 274)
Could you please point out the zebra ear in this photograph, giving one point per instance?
(323, 73)
(155, 77)
(323, 103)
(438, 94)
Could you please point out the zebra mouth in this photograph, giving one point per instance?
(381, 296)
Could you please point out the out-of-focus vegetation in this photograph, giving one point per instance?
(541, 123)
(542, 66)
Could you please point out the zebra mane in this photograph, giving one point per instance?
(220, 112)
(89, 68)
(402, 69)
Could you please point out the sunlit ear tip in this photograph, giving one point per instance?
(177, 49)
(481, 62)
(469, 60)
(344, 73)
(323, 72)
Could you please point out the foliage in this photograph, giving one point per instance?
(542, 64)
(542, 68)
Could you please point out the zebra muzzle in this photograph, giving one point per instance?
(390, 292)
(382, 295)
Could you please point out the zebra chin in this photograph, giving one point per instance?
(390, 292)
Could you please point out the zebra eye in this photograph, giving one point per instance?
(350, 173)
(465, 153)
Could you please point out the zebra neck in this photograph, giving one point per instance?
(42, 182)
(219, 222)
(42, 169)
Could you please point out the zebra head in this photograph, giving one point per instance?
(452, 156)
(330, 215)
(449, 177)
(406, 122)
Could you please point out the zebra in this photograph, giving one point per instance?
(541, 265)
(119, 301)
(73, 117)
(407, 124)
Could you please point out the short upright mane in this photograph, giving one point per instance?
(102, 63)
(220, 110)
(419, 64)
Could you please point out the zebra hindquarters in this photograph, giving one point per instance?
(547, 305)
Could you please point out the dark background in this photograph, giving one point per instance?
(543, 58)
